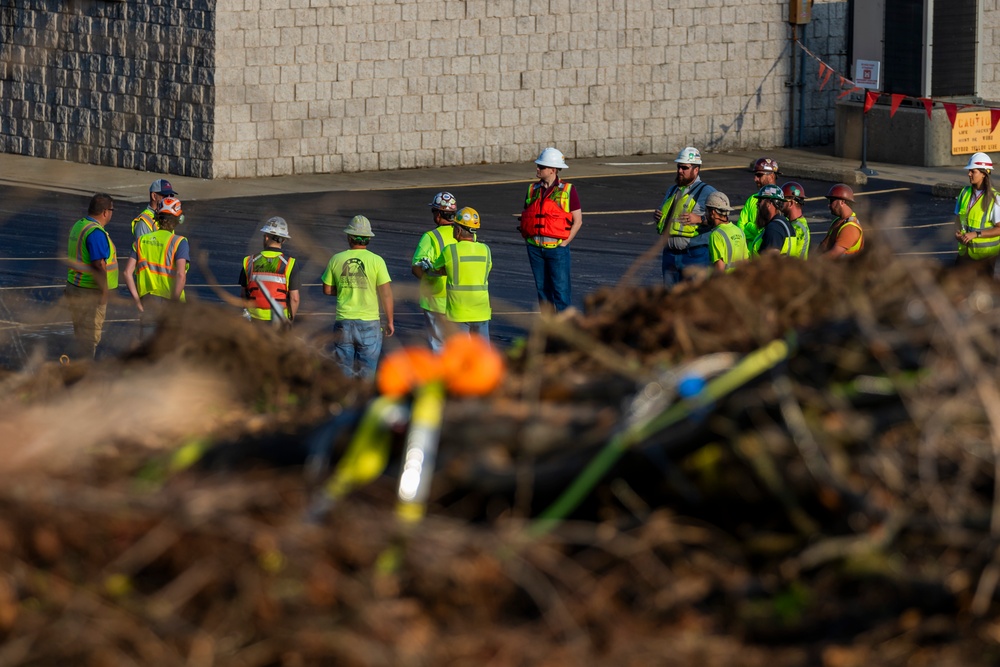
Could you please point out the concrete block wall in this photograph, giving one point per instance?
(989, 51)
(126, 84)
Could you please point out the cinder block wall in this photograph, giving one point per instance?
(125, 83)
(989, 51)
(239, 88)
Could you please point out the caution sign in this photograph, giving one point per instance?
(971, 134)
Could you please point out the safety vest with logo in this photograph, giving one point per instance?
(144, 223)
(547, 219)
(432, 286)
(77, 249)
(467, 268)
(729, 238)
(973, 219)
(269, 270)
(154, 268)
(686, 202)
(838, 225)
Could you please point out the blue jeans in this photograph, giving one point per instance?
(436, 331)
(675, 261)
(550, 267)
(357, 346)
(478, 328)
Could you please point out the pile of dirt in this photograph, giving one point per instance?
(825, 494)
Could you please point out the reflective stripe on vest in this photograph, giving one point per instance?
(76, 248)
(687, 203)
(834, 232)
(973, 219)
(154, 270)
(274, 281)
(149, 219)
(731, 258)
(548, 216)
(467, 265)
(787, 244)
(800, 248)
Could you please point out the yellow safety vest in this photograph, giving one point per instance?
(734, 244)
(686, 203)
(154, 268)
(748, 218)
(788, 246)
(76, 249)
(972, 218)
(145, 222)
(838, 226)
(467, 268)
(799, 246)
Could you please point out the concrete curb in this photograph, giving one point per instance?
(946, 190)
(851, 177)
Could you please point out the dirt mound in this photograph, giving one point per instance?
(790, 465)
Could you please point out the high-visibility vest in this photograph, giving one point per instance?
(787, 246)
(144, 223)
(547, 216)
(800, 245)
(748, 218)
(838, 225)
(973, 219)
(268, 270)
(686, 203)
(467, 269)
(76, 249)
(432, 286)
(154, 269)
(733, 241)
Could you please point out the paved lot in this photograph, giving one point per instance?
(616, 196)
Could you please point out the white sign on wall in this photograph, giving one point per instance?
(866, 74)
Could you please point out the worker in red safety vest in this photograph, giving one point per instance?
(270, 280)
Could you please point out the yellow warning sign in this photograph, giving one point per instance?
(971, 134)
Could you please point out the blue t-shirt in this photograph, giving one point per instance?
(97, 244)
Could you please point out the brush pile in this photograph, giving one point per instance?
(837, 506)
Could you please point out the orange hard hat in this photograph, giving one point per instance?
(841, 191)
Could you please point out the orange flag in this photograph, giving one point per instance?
(829, 73)
(871, 96)
(951, 110)
(847, 92)
(928, 106)
(896, 100)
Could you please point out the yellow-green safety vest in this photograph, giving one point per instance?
(733, 241)
(748, 218)
(790, 245)
(467, 266)
(686, 204)
(154, 268)
(972, 218)
(76, 249)
(145, 222)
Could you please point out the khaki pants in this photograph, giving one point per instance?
(87, 313)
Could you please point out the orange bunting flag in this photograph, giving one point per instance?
(848, 92)
(928, 106)
(871, 96)
(829, 73)
(951, 110)
(822, 69)
(994, 119)
(896, 100)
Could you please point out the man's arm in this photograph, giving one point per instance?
(385, 295)
(130, 282)
(577, 223)
(329, 290)
(293, 302)
(180, 278)
(100, 274)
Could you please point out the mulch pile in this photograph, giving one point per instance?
(837, 509)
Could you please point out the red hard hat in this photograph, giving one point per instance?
(766, 164)
(793, 190)
(841, 191)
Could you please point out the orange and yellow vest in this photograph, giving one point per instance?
(154, 268)
(76, 249)
(834, 231)
(548, 217)
(268, 270)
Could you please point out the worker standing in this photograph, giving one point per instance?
(145, 222)
(795, 196)
(270, 280)
(550, 221)
(466, 265)
(776, 236)
(682, 216)
(432, 286)
(92, 274)
(845, 236)
(977, 213)
(765, 172)
(359, 279)
(727, 246)
(159, 261)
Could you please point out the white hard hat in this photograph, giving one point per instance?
(276, 227)
(551, 157)
(689, 155)
(980, 161)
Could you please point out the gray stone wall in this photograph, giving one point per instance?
(240, 88)
(989, 51)
(126, 84)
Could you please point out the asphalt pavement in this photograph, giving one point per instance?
(40, 199)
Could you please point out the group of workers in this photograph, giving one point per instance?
(454, 267)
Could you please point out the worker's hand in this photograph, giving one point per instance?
(138, 304)
(425, 264)
(964, 237)
(691, 219)
(657, 214)
(389, 328)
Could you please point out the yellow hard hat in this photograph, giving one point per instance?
(467, 217)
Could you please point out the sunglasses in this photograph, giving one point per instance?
(684, 167)
(760, 174)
